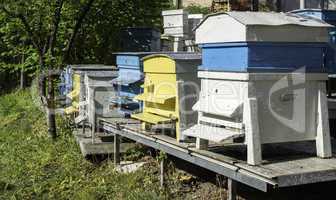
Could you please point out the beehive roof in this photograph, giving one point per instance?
(177, 55)
(270, 19)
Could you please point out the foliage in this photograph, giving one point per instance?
(198, 9)
(34, 167)
(34, 34)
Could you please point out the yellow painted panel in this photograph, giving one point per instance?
(74, 95)
(70, 110)
(151, 118)
(149, 97)
(160, 95)
(159, 64)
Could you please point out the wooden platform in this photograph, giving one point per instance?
(99, 145)
(283, 165)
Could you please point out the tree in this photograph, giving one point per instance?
(41, 30)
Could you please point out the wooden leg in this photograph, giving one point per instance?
(202, 144)
(254, 154)
(323, 142)
(162, 173)
(116, 149)
(232, 189)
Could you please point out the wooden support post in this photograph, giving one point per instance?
(255, 5)
(323, 142)
(232, 189)
(302, 4)
(254, 154)
(202, 144)
(278, 5)
(162, 173)
(116, 150)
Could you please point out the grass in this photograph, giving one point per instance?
(32, 166)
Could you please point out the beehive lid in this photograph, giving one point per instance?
(172, 62)
(174, 12)
(92, 67)
(260, 26)
(325, 15)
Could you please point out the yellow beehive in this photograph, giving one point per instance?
(74, 95)
(171, 87)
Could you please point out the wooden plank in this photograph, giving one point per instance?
(252, 132)
(291, 167)
(323, 143)
(225, 123)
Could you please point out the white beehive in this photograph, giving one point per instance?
(175, 23)
(193, 21)
(243, 93)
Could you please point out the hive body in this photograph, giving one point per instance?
(262, 86)
(128, 83)
(170, 90)
(93, 89)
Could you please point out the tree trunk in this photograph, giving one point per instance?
(51, 114)
(22, 80)
(22, 75)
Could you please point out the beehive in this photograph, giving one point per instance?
(139, 39)
(170, 90)
(175, 23)
(93, 89)
(328, 16)
(128, 83)
(73, 95)
(275, 103)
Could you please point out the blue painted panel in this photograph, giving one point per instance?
(264, 57)
(286, 57)
(215, 57)
(128, 62)
(66, 81)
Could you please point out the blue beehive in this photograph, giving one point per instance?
(129, 81)
(262, 42)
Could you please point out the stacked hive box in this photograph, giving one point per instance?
(179, 25)
(170, 89)
(73, 93)
(140, 39)
(262, 79)
(93, 89)
(328, 16)
(128, 83)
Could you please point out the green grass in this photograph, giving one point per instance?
(32, 166)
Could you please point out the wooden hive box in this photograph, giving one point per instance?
(264, 106)
(170, 89)
(128, 83)
(93, 89)
(175, 23)
(257, 41)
